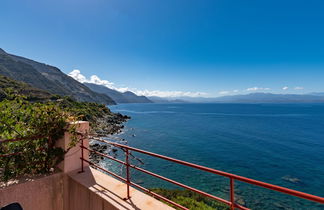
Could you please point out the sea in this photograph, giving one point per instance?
(281, 144)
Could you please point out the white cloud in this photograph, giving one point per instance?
(257, 89)
(169, 93)
(76, 74)
(228, 92)
(285, 88)
(94, 79)
(224, 92)
(299, 88)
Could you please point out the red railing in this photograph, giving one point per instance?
(232, 177)
(30, 138)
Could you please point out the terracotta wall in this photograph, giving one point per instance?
(45, 193)
(54, 192)
(80, 197)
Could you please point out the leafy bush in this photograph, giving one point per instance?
(27, 112)
(88, 111)
(20, 118)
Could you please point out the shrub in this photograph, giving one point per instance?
(20, 118)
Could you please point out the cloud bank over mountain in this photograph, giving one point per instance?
(94, 79)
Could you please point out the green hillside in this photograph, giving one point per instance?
(8, 85)
(102, 120)
(47, 78)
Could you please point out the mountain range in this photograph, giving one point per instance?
(261, 98)
(317, 94)
(272, 98)
(54, 81)
(47, 78)
(118, 97)
(50, 79)
(163, 100)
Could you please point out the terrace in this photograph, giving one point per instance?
(82, 184)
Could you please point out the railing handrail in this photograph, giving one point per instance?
(28, 138)
(231, 176)
(37, 137)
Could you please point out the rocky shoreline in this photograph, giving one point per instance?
(110, 124)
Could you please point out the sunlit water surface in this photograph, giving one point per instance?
(282, 144)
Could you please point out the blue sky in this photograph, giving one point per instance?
(159, 47)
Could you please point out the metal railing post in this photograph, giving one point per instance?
(127, 172)
(232, 193)
(49, 145)
(82, 157)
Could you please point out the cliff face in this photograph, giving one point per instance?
(48, 78)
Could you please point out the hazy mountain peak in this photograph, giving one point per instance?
(119, 97)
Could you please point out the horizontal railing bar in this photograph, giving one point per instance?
(104, 155)
(135, 185)
(10, 154)
(111, 173)
(181, 185)
(188, 187)
(166, 179)
(32, 138)
(18, 153)
(229, 175)
(158, 196)
(100, 140)
(283, 190)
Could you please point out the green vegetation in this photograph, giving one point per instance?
(28, 112)
(20, 88)
(189, 199)
(95, 113)
(20, 118)
(101, 119)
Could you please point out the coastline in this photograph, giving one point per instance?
(105, 126)
(109, 124)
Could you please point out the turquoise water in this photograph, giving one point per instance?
(275, 143)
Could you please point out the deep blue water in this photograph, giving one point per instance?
(281, 144)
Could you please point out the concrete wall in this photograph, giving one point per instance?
(47, 193)
(96, 190)
(72, 160)
(40, 194)
(80, 197)
(55, 192)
